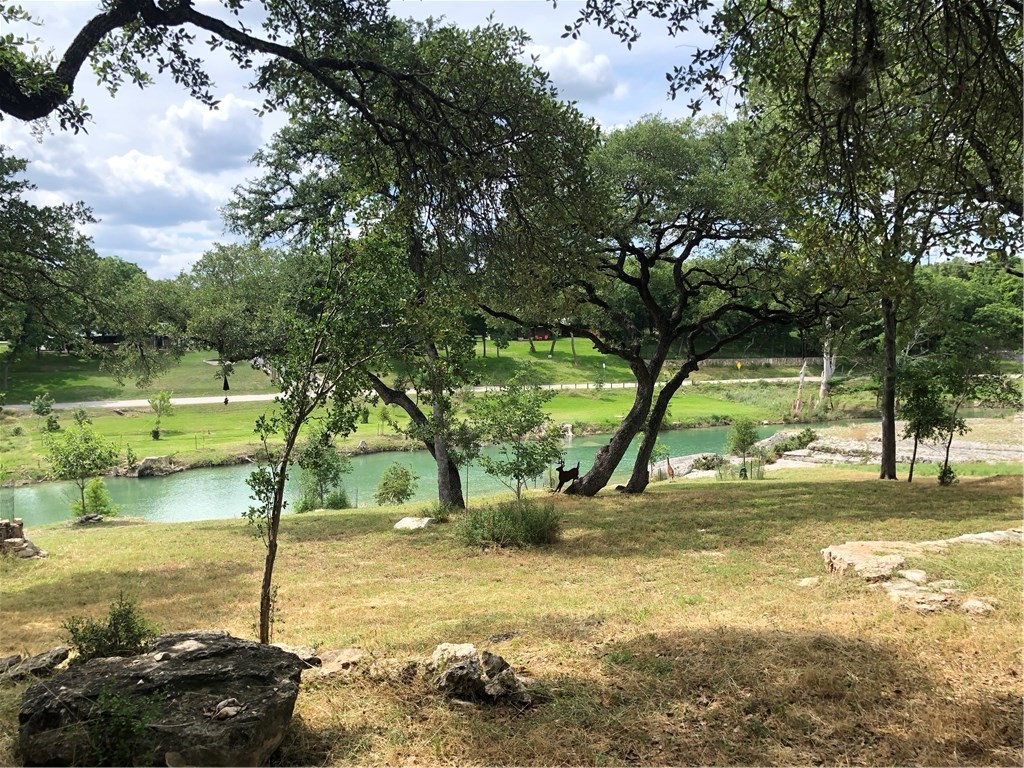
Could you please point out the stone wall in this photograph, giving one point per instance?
(12, 529)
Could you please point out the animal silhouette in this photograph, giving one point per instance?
(565, 475)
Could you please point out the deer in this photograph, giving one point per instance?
(565, 475)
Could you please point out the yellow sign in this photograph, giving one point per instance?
(738, 365)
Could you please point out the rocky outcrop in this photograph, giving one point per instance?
(881, 563)
(40, 665)
(14, 543)
(197, 698)
(833, 450)
(461, 672)
(154, 466)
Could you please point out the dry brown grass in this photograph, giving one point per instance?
(664, 629)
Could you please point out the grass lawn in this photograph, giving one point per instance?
(203, 435)
(665, 629)
(71, 379)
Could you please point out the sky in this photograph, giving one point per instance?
(156, 166)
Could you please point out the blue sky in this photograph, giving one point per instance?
(156, 166)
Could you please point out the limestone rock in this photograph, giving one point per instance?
(413, 523)
(916, 576)
(334, 662)
(180, 690)
(89, 519)
(155, 466)
(810, 581)
(459, 671)
(306, 653)
(976, 607)
(21, 548)
(393, 671)
(9, 661)
(40, 665)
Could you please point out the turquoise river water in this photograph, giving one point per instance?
(221, 492)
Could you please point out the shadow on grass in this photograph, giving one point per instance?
(62, 376)
(199, 593)
(709, 697)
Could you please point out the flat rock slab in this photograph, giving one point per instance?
(198, 698)
(335, 662)
(413, 523)
(40, 665)
(881, 562)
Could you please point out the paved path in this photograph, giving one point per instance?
(144, 403)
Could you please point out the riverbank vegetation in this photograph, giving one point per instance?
(663, 629)
(217, 434)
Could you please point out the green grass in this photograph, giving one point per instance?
(204, 435)
(664, 629)
(70, 379)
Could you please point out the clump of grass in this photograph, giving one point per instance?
(441, 513)
(511, 524)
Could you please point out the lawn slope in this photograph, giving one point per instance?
(667, 628)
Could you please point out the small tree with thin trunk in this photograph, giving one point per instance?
(79, 453)
(742, 438)
(162, 406)
(527, 440)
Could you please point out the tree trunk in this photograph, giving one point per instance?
(828, 369)
(483, 337)
(81, 490)
(532, 348)
(444, 476)
(453, 482)
(608, 458)
(913, 460)
(888, 404)
(266, 588)
(7, 370)
(572, 345)
(551, 352)
(640, 477)
(798, 406)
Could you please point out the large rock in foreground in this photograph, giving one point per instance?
(197, 698)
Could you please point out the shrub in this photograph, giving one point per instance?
(708, 461)
(52, 423)
(510, 524)
(131, 460)
(947, 476)
(97, 500)
(42, 405)
(397, 485)
(334, 499)
(797, 442)
(17, 431)
(81, 417)
(441, 513)
(337, 499)
(125, 633)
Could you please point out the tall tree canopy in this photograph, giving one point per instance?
(841, 68)
(692, 258)
(494, 218)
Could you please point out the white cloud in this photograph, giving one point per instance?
(578, 72)
(211, 140)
